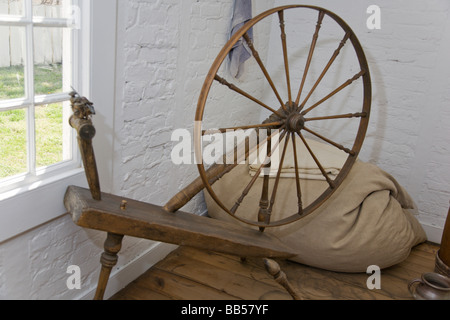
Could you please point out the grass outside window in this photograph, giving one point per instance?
(13, 124)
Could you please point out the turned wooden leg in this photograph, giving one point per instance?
(275, 271)
(443, 255)
(109, 258)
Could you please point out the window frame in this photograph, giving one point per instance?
(31, 101)
(41, 200)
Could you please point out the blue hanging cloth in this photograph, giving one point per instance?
(240, 52)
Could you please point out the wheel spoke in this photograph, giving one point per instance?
(263, 68)
(311, 53)
(237, 159)
(297, 176)
(256, 147)
(337, 145)
(324, 173)
(339, 89)
(285, 54)
(339, 116)
(254, 126)
(263, 214)
(324, 72)
(277, 180)
(245, 94)
(255, 177)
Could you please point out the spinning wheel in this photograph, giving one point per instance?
(290, 118)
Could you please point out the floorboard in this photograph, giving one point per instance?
(191, 274)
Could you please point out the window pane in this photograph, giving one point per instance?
(13, 7)
(51, 8)
(48, 59)
(51, 139)
(11, 63)
(13, 146)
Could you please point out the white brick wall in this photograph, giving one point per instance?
(411, 73)
(168, 48)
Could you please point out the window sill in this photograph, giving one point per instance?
(26, 208)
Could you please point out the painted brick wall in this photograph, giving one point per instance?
(409, 58)
(168, 48)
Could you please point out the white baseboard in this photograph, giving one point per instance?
(122, 277)
(434, 234)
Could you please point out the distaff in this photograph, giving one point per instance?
(82, 123)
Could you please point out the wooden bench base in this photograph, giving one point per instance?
(121, 217)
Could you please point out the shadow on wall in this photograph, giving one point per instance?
(377, 125)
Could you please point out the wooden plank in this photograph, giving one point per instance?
(318, 284)
(148, 221)
(253, 269)
(322, 284)
(429, 247)
(226, 275)
(137, 290)
(223, 279)
(419, 262)
(394, 280)
(179, 288)
(405, 271)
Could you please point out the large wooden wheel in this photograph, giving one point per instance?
(291, 116)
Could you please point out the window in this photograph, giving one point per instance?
(38, 68)
(26, 204)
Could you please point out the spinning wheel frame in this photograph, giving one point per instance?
(291, 117)
(119, 216)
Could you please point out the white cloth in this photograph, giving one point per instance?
(240, 52)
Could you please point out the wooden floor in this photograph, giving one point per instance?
(190, 274)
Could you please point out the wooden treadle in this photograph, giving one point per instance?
(144, 220)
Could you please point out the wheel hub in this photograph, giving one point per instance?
(295, 122)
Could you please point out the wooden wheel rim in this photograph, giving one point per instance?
(360, 136)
